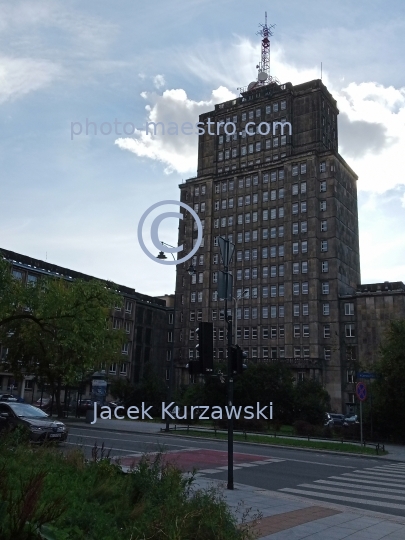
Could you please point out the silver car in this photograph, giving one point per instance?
(41, 426)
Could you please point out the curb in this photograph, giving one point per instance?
(335, 452)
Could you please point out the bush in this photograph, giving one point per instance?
(304, 428)
(71, 499)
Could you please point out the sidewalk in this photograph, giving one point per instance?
(395, 452)
(292, 518)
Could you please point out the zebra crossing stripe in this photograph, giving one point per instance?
(370, 488)
(365, 481)
(378, 474)
(389, 471)
(356, 500)
(354, 492)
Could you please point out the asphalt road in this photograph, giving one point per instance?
(353, 481)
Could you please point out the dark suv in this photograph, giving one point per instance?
(41, 426)
(333, 419)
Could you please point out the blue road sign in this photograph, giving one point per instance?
(361, 391)
(366, 375)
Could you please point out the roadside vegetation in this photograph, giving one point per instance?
(45, 494)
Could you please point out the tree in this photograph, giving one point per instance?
(388, 388)
(311, 402)
(267, 383)
(58, 330)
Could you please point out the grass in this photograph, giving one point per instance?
(282, 441)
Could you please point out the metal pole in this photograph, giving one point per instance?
(230, 403)
(171, 366)
(236, 321)
(361, 423)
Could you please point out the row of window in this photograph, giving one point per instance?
(256, 113)
(251, 148)
(296, 227)
(122, 370)
(266, 352)
(298, 310)
(249, 181)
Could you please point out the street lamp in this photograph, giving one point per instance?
(241, 296)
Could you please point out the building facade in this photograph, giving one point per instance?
(148, 323)
(288, 201)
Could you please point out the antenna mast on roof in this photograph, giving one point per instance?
(264, 67)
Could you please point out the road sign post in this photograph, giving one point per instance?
(361, 391)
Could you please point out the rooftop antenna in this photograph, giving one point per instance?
(264, 66)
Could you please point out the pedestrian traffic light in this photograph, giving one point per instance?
(205, 347)
(237, 358)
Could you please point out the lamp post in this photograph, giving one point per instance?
(240, 297)
(191, 271)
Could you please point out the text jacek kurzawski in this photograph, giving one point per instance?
(174, 412)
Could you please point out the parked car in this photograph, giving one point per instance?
(41, 426)
(84, 405)
(8, 397)
(333, 419)
(43, 403)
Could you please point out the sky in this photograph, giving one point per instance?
(75, 199)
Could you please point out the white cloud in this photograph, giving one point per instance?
(176, 152)
(19, 76)
(159, 81)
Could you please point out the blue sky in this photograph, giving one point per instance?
(78, 202)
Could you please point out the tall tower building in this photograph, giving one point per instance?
(271, 180)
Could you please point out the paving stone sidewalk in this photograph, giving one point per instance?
(293, 518)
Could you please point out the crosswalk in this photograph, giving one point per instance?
(381, 486)
(264, 461)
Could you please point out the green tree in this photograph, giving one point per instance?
(57, 330)
(311, 402)
(266, 383)
(387, 390)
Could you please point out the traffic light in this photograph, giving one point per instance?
(205, 347)
(237, 358)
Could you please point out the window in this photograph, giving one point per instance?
(294, 170)
(322, 187)
(281, 311)
(350, 376)
(113, 368)
(128, 324)
(31, 279)
(296, 310)
(247, 254)
(254, 235)
(214, 277)
(273, 251)
(303, 168)
(238, 275)
(326, 353)
(265, 253)
(325, 309)
(296, 288)
(349, 330)
(304, 287)
(265, 333)
(273, 176)
(265, 291)
(304, 267)
(128, 307)
(303, 206)
(304, 226)
(273, 291)
(295, 228)
(247, 199)
(265, 271)
(297, 352)
(201, 260)
(305, 309)
(325, 287)
(214, 296)
(254, 217)
(295, 248)
(265, 312)
(273, 312)
(303, 187)
(325, 266)
(200, 296)
(326, 330)
(281, 231)
(322, 166)
(349, 308)
(246, 313)
(273, 232)
(295, 208)
(322, 206)
(294, 189)
(283, 105)
(324, 245)
(296, 268)
(247, 273)
(305, 330)
(216, 223)
(281, 211)
(273, 271)
(281, 290)
(247, 217)
(201, 277)
(297, 330)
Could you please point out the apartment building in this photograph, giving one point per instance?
(148, 323)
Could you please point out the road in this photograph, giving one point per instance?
(366, 483)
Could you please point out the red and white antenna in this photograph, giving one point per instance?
(265, 32)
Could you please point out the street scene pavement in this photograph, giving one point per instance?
(298, 493)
